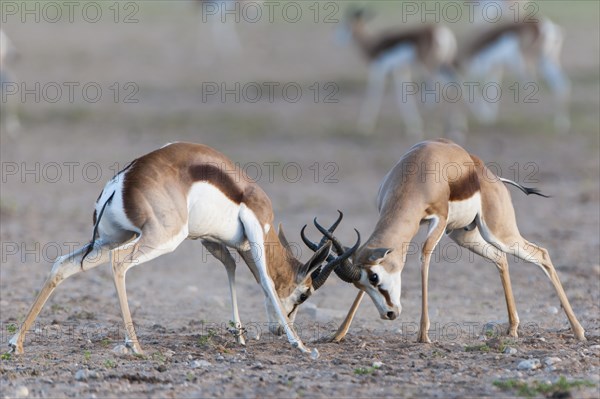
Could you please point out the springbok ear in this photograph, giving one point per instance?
(282, 238)
(315, 262)
(378, 254)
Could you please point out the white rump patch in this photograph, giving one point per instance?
(462, 213)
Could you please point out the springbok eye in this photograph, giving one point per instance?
(374, 278)
(303, 297)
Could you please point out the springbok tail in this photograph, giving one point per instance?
(526, 190)
(95, 233)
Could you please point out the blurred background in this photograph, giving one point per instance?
(278, 91)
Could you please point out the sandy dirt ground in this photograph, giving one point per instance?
(311, 159)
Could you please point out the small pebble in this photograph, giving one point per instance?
(161, 368)
(509, 350)
(169, 353)
(552, 310)
(314, 354)
(120, 350)
(200, 364)
(549, 361)
(529, 364)
(219, 358)
(21, 392)
(84, 375)
(377, 364)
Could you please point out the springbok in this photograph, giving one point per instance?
(439, 183)
(8, 53)
(185, 190)
(398, 52)
(525, 48)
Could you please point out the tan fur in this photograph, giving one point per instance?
(417, 189)
(423, 38)
(155, 192)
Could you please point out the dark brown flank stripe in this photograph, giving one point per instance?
(489, 37)
(464, 187)
(422, 38)
(215, 176)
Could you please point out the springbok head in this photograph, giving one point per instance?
(370, 270)
(295, 287)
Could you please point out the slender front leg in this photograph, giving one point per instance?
(436, 229)
(221, 252)
(119, 267)
(255, 235)
(345, 326)
(151, 244)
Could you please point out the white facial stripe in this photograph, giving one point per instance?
(388, 282)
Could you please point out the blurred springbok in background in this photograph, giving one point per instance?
(400, 53)
(525, 48)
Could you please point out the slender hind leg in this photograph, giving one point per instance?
(148, 247)
(525, 250)
(64, 267)
(473, 241)
(509, 240)
(561, 88)
(436, 230)
(221, 252)
(372, 104)
(406, 103)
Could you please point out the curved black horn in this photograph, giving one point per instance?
(347, 271)
(332, 228)
(332, 265)
(315, 247)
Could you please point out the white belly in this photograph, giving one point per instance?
(462, 213)
(213, 216)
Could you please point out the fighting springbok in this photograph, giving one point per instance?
(525, 48)
(399, 53)
(467, 202)
(185, 190)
